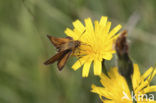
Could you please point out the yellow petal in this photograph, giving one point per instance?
(103, 21)
(136, 76)
(115, 30)
(69, 32)
(141, 86)
(85, 70)
(101, 91)
(97, 67)
(104, 80)
(79, 26)
(78, 64)
(89, 29)
(115, 37)
(96, 23)
(108, 25)
(147, 73)
(89, 25)
(149, 89)
(152, 74)
(107, 56)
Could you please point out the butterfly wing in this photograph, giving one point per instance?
(55, 58)
(57, 42)
(62, 61)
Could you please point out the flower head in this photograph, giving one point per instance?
(116, 90)
(97, 43)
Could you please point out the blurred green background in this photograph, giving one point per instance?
(24, 46)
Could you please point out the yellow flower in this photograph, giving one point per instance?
(116, 90)
(97, 43)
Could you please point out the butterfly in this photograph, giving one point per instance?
(65, 46)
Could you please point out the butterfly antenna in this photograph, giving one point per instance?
(82, 34)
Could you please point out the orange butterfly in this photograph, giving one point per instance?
(65, 46)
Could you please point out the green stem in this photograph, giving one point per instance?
(104, 68)
(130, 85)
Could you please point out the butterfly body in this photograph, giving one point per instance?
(65, 46)
(70, 45)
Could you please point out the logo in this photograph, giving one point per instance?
(138, 97)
